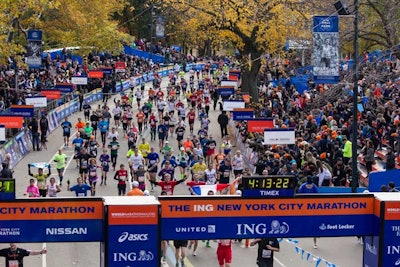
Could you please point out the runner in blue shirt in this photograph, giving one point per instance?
(66, 126)
(80, 189)
(78, 143)
(162, 130)
(103, 127)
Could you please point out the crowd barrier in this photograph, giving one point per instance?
(21, 144)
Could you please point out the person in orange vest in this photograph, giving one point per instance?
(79, 125)
(135, 190)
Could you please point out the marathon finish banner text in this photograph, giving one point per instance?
(62, 220)
(391, 227)
(133, 236)
(237, 218)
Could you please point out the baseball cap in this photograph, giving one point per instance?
(135, 184)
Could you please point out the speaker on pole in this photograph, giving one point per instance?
(342, 8)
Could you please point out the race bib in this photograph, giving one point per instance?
(81, 194)
(122, 178)
(13, 263)
(141, 178)
(114, 147)
(92, 174)
(266, 253)
(227, 173)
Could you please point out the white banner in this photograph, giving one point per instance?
(230, 105)
(229, 83)
(79, 80)
(36, 101)
(279, 136)
(2, 133)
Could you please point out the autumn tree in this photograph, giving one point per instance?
(88, 24)
(255, 27)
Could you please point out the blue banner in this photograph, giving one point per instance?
(132, 245)
(34, 35)
(65, 88)
(239, 218)
(391, 233)
(58, 220)
(132, 232)
(326, 49)
(22, 111)
(371, 249)
(242, 115)
(226, 92)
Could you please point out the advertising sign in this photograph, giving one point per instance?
(26, 111)
(241, 114)
(132, 232)
(371, 251)
(235, 73)
(391, 242)
(229, 105)
(10, 121)
(237, 218)
(36, 101)
(65, 88)
(79, 80)
(259, 125)
(7, 189)
(61, 220)
(120, 66)
(2, 133)
(229, 83)
(96, 74)
(34, 49)
(226, 91)
(279, 136)
(51, 94)
(326, 49)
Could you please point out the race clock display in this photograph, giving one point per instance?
(269, 186)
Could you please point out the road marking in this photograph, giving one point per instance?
(279, 262)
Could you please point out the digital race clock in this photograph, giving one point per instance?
(269, 186)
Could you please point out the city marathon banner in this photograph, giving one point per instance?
(34, 49)
(237, 218)
(61, 220)
(326, 49)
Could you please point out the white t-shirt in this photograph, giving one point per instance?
(210, 176)
(237, 162)
(111, 135)
(136, 161)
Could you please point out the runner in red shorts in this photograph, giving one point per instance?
(224, 252)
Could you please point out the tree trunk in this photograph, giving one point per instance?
(249, 77)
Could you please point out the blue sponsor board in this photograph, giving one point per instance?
(65, 88)
(34, 35)
(242, 115)
(391, 243)
(238, 218)
(133, 245)
(255, 227)
(107, 70)
(226, 92)
(51, 231)
(22, 111)
(371, 251)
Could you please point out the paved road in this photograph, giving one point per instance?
(340, 251)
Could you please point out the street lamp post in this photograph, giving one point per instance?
(354, 132)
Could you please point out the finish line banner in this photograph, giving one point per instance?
(62, 220)
(237, 218)
(326, 49)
